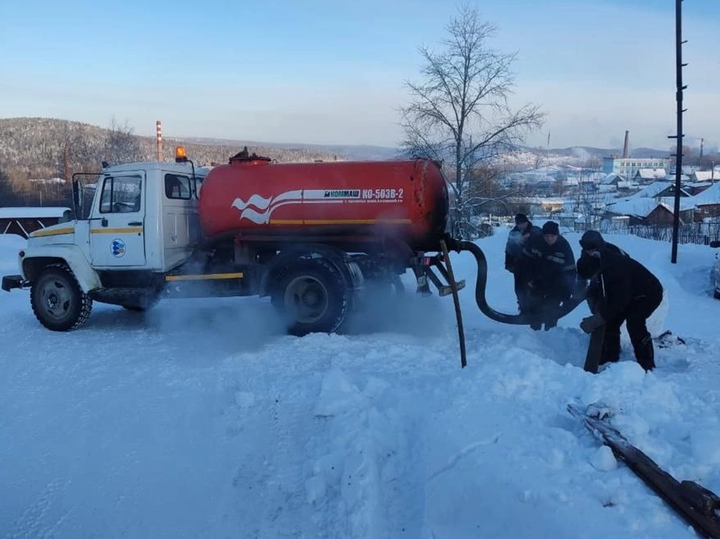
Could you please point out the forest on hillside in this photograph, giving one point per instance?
(39, 155)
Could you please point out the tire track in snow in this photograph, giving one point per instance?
(272, 402)
(368, 481)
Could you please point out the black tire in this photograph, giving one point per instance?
(57, 299)
(312, 296)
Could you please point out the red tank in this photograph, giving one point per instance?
(407, 200)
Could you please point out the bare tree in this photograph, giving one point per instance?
(121, 146)
(588, 205)
(460, 112)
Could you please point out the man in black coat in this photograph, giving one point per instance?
(621, 290)
(549, 266)
(517, 239)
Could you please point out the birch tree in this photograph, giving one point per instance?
(459, 113)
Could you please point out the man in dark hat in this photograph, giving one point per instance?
(549, 264)
(621, 290)
(517, 239)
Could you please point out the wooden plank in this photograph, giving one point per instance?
(694, 503)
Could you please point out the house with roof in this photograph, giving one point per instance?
(705, 175)
(649, 211)
(612, 179)
(658, 190)
(649, 175)
(707, 202)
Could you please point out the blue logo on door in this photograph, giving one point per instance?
(118, 247)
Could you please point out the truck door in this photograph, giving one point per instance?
(117, 236)
(179, 214)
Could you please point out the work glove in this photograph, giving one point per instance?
(591, 323)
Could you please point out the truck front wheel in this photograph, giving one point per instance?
(57, 299)
(313, 297)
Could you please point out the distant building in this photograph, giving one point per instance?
(649, 211)
(629, 166)
(611, 178)
(660, 189)
(708, 202)
(648, 175)
(705, 175)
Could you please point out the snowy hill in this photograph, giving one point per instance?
(201, 419)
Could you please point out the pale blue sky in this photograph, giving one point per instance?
(332, 72)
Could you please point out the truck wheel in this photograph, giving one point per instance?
(57, 299)
(313, 297)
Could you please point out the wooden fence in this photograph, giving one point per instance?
(698, 233)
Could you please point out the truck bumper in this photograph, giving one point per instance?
(14, 281)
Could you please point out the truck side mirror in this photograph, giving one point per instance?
(77, 198)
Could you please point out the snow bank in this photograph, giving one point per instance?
(202, 419)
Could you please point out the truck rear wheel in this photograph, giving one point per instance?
(313, 297)
(57, 299)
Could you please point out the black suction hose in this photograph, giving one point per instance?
(481, 284)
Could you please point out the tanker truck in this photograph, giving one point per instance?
(311, 237)
(314, 238)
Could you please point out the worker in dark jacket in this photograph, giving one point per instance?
(621, 290)
(549, 266)
(517, 239)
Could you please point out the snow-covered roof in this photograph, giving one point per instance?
(706, 175)
(20, 212)
(651, 190)
(611, 178)
(642, 207)
(686, 203)
(711, 195)
(651, 173)
(638, 207)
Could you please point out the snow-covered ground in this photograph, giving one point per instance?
(200, 419)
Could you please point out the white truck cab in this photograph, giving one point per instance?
(138, 224)
(143, 216)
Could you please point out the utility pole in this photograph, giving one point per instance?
(679, 136)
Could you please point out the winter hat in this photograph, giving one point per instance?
(551, 227)
(521, 218)
(592, 240)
